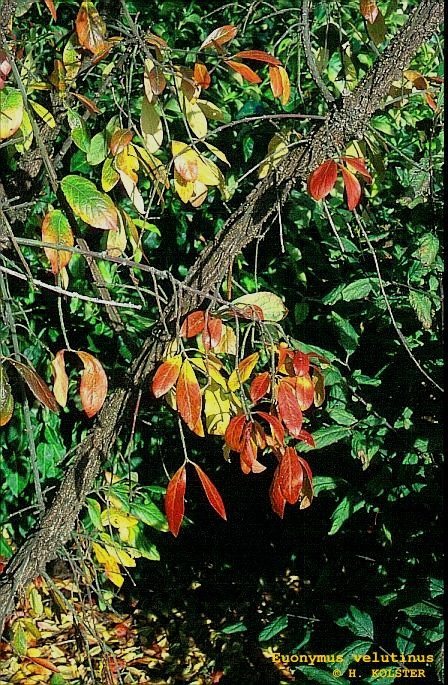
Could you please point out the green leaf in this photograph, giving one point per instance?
(97, 151)
(19, 642)
(422, 609)
(436, 587)
(359, 647)
(6, 398)
(358, 622)
(357, 290)
(428, 249)
(271, 305)
(273, 628)
(318, 675)
(5, 549)
(421, 304)
(92, 206)
(324, 483)
(342, 417)
(348, 337)
(343, 511)
(146, 548)
(94, 510)
(234, 628)
(150, 514)
(11, 112)
(326, 436)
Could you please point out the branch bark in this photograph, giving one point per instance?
(346, 122)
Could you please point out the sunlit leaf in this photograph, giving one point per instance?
(211, 492)
(166, 375)
(93, 386)
(151, 124)
(271, 305)
(219, 36)
(369, 10)
(71, 58)
(185, 160)
(211, 111)
(36, 384)
(56, 229)
(277, 149)
(217, 407)
(260, 386)
(92, 206)
(175, 500)
(201, 75)
(91, 28)
(188, 396)
(109, 175)
(321, 181)
(211, 335)
(60, 384)
(193, 324)
(43, 113)
(319, 388)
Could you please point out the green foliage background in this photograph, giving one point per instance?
(361, 569)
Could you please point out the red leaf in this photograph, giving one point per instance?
(288, 408)
(234, 432)
(193, 324)
(322, 179)
(306, 437)
(166, 375)
(352, 188)
(303, 389)
(258, 55)
(219, 36)
(188, 396)
(245, 71)
(211, 492)
(201, 75)
(249, 449)
(276, 427)
(359, 164)
(307, 468)
(278, 501)
(431, 102)
(369, 10)
(276, 81)
(211, 335)
(301, 363)
(46, 663)
(175, 500)
(290, 475)
(93, 386)
(260, 386)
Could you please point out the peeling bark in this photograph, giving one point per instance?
(346, 122)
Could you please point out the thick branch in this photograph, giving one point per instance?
(346, 123)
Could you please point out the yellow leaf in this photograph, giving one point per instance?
(216, 151)
(127, 162)
(60, 385)
(199, 194)
(211, 111)
(227, 344)
(183, 188)
(43, 113)
(210, 369)
(196, 119)
(208, 172)
(277, 149)
(26, 131)
(243, 371)
(109, 176)
(151, 123)
(216, 409)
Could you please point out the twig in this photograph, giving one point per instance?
(306, 37)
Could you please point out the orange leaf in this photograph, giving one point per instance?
(60, 385)
(219, 36)
(359, 164)
(286, 86)
(175, 500)
(303, 389)
(245, 71)
(91, 28)
(258, 55)
(290, 475)
(234, 432)
(322, 179)
(36, 384)
(211, 492)
(260, 386)
(288, 408)
(301, 363)
(352, 188)
(201, 75)
(211, 335)
(188, 396)
(369, 10)
(431, 102)
(56, 230)
(193, 324)
(46, 663)
(166, 375)
(276, 81)
(276, 427)
(93, 386)
(51, 8)
(88, 103)
(120, 139)
(278, 501)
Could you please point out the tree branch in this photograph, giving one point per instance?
(348, 122)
